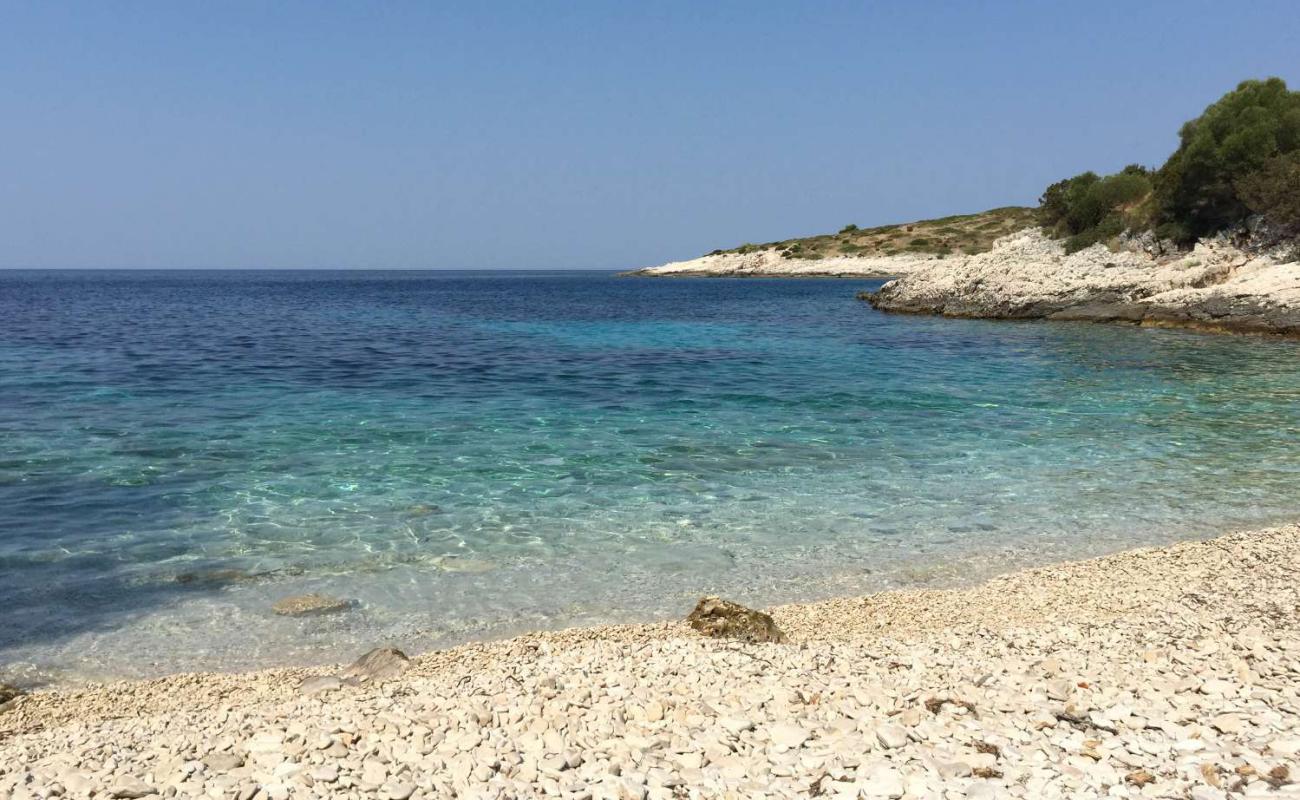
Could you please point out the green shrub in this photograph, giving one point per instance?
(1108, 228)
(1089, 208)
(1198, 188)
(1273, 191)
(1173, 231)
(1236, 159)
(848, 228)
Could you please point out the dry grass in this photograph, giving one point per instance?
(967, 233)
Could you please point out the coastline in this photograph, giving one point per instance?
(1166, 663)
(770, 264)
(1217, 287)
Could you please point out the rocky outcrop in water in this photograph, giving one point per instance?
(1218, 286)
(723, 619)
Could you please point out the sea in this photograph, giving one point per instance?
(469, 455)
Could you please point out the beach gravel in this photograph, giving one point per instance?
(1157, 673)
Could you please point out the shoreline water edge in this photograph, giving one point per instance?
(1157, 672)
(1218, 286)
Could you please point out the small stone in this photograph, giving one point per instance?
(891, 736)
(374, 773)
(326, 774)
(399, 791)
(223, 762)
(1139, 778)
(952, 769)
(788, 736)
(78, 783)
(1286, 748)
(883, 782)
(319, 684)
(736, 725)
(276, 791)
(265, 743)
(131, 788)
(1059, 690)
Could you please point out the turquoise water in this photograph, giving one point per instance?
(472, 454)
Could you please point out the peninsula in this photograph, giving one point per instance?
(1208, 240)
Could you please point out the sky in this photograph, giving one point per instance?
(572, 134)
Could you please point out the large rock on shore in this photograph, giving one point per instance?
(1028, 276)
(723, 619)
(380, 664)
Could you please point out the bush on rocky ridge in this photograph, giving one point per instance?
(1198, 188)
(1240, 158)
(1273, 191)
(1089, 208)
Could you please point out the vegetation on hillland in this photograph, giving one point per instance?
(967, 233)
(1239, 159)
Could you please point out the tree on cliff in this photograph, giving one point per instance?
(1199, 189)
(1240, 158)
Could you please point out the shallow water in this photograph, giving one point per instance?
(471, 454)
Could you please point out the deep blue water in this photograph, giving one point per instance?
(468, 454)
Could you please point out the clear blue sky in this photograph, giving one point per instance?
(572, 134)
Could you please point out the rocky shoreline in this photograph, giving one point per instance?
(1162, 672)
(771, 264)
(1218, 286)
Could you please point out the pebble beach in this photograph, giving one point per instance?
(1165, 672)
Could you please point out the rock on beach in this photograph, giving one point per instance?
(380, 664)
(723, 619)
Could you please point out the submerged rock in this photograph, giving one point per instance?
(380, 664)
(9, 692)
(719, 618)
(302, 605)
(472, 566)
(214, 577)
